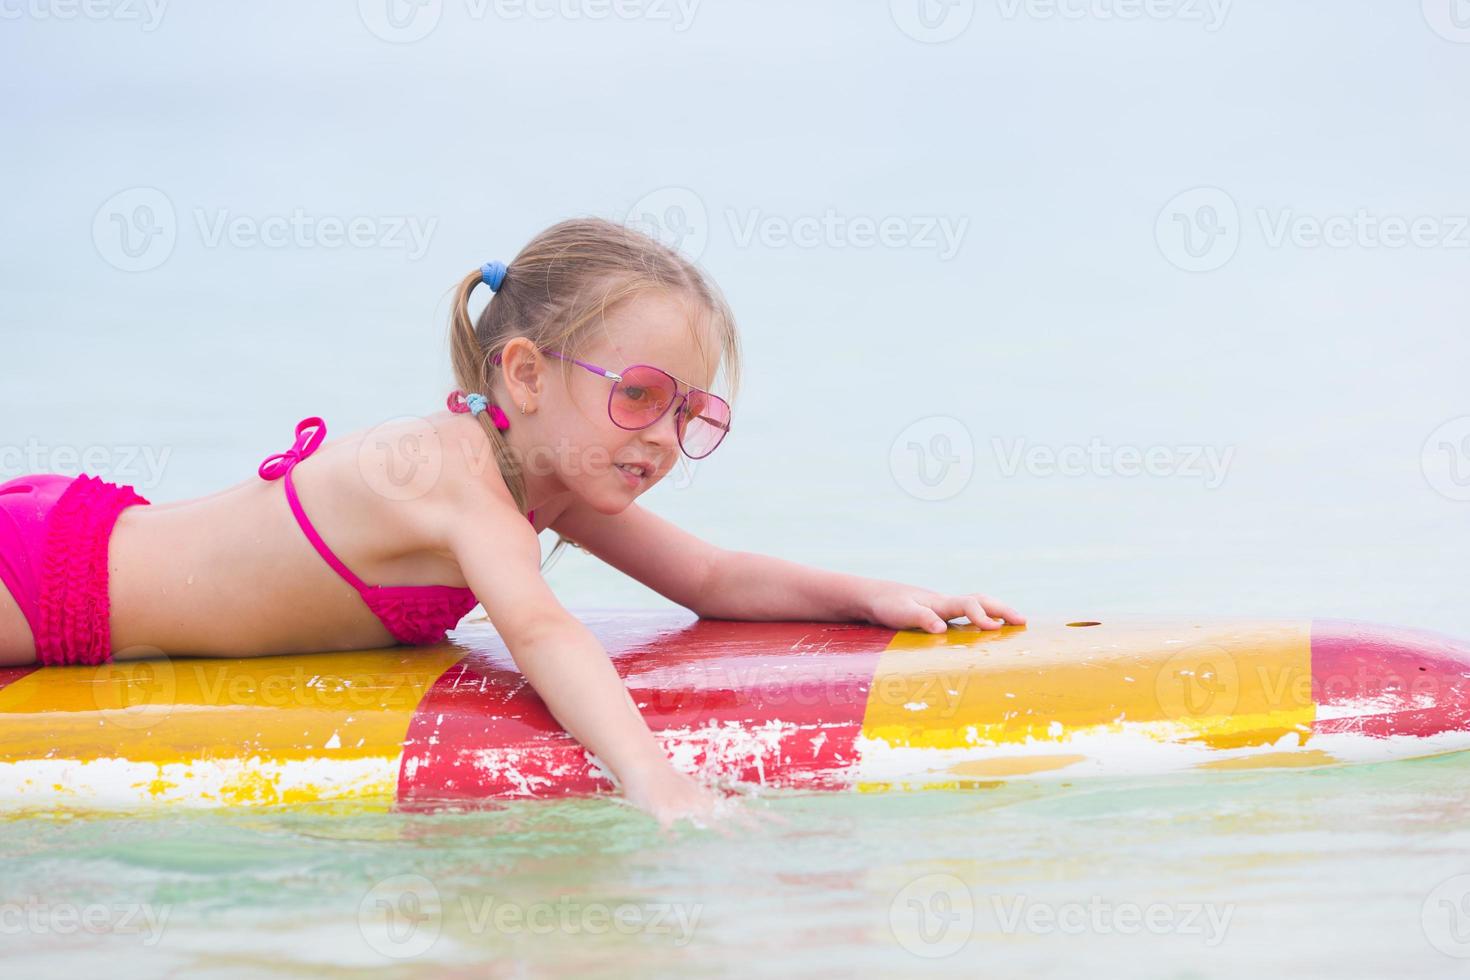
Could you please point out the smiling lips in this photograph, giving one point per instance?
(634, 473)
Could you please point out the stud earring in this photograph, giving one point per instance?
(523, 408)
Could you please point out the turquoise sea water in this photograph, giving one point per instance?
(1347, 871)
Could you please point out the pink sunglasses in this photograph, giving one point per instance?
(642, 394)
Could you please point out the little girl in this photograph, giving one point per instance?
(583, 379)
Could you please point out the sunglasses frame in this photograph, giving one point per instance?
(680, 398)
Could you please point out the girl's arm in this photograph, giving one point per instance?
(745, 585)
(719, 584)
(500, 556)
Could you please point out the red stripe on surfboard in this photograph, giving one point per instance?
(482, 732)
(9, 675)
(1384, 680)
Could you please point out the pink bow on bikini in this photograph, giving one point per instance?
(309, 435)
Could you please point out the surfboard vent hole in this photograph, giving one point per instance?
(1086, 622)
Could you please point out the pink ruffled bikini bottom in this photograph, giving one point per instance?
(54, 532)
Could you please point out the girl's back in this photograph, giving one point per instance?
(228, 574)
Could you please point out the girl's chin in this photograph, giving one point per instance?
(609, 504)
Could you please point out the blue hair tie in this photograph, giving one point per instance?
(476, 402)
(492, 274)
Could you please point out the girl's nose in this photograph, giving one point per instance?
(665, 432)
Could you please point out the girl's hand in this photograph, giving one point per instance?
(667, 795)
(908, 607)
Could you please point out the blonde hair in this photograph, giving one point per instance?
(565, 281)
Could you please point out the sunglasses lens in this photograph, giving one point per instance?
(641, 397)
(703, 422)
(644, 394)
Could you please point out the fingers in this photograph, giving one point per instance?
(978, 615)
(995, 607)
(930, 617)
(955, 606)
(981, 610)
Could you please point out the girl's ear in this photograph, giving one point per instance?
(521, 369)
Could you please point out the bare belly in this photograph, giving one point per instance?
(17, 646)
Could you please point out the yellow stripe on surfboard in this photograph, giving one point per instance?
(268, 729)
(969, 696)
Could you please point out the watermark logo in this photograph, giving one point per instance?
(933, 458)
(1200, 681)
(400, 21)
(135, 694)
(407, 21)
(567, 916)
(1445, 459)
(401, 917)
(1446, 917)
(401, 459)
(1199, 229)
(675, 216)
(932, 21)
(135, 230)
(1450, 19)
(936, 915)
(679, 218)
(933, 916)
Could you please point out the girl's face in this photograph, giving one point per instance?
(578, 439)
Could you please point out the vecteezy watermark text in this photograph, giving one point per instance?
(1101, 916)
(1209, 13)
(934, 459)
(137, 229)
(402, 916)
(402, 232)
(938, 233)
(1201, 229)
(35, 916)
(936, 915)
(1097, 458)
(937, 21)
(407, 21)
(140, 466)
(679, 218)
(147, 14)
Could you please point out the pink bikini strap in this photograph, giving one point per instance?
(309, 435)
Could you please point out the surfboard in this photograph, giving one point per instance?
(805, 706)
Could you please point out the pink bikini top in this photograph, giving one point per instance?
(414, 614)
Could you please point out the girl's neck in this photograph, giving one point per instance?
(543, 490)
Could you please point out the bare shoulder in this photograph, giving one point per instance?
(443, 464)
